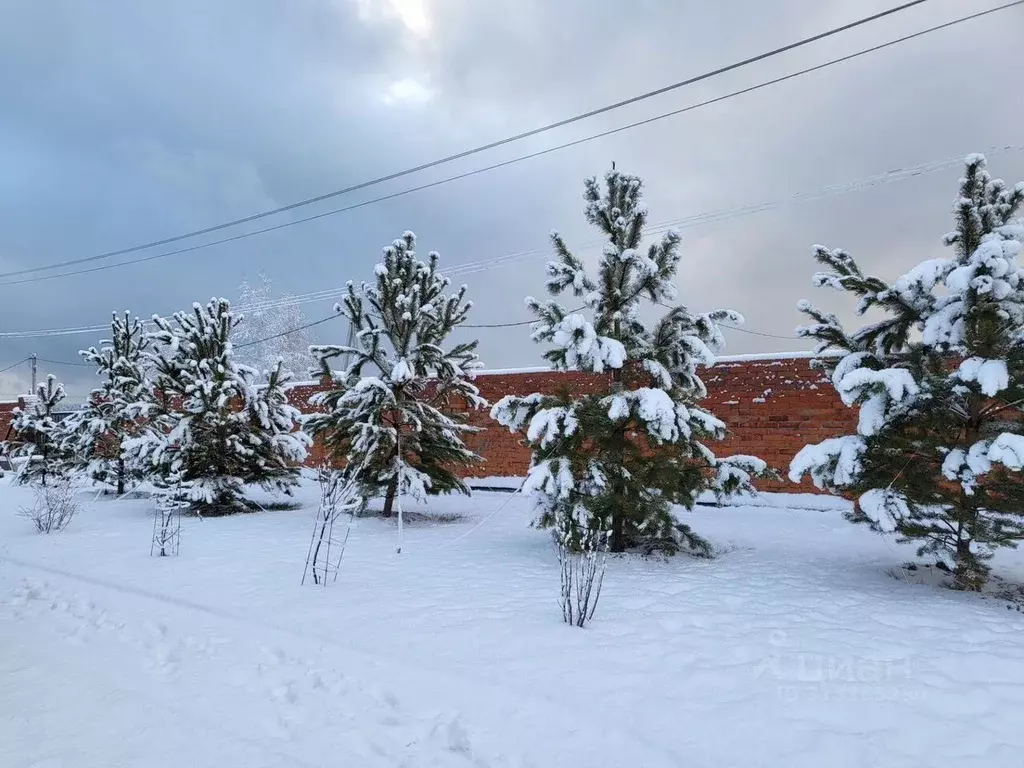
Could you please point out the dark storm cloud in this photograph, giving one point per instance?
(130, 121)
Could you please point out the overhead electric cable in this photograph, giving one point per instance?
(475, 150)
(14, 365)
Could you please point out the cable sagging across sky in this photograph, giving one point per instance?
(479, 149)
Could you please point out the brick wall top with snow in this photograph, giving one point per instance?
(773, 406)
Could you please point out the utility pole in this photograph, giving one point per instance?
(32, 365)
(349, 343)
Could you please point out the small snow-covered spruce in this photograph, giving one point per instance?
(393, 417)
(113, 411)
(211, 428)
(621, 459)
(278, 445)
(42, 435)
(939, 384)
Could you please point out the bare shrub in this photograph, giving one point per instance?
(55, 505)
(166, 526)
(170, 504)
(582, 558)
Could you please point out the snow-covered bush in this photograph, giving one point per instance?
(392, 417)
(621, 459)
(113, 412)
(211, 428)
(42, 435)
(55, 505)
(939, 384)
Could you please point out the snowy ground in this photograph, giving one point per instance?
(794, 647)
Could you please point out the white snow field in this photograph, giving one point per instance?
(795, 647)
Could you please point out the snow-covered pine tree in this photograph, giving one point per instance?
(211, 429)
(939, 385)
(114, 409)
(276, 325)
(277, 444)
(42, 434)
(620, 459)
(392, 415)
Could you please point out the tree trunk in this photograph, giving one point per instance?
(120, 477)
(392, 489)
(968, 574)
(618, 542)
(389, 498)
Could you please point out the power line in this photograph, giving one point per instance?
(271, 338)
(455, 270)
(738, 328)
(827, 191)
(484, 147)
(759, 333)
(484, 169)
(237, 346)
(496, 325)
(288, 332)
(474, 267)
(63, 362)
(333, 316)
(13, 365)
(74, 330)
(256, 307)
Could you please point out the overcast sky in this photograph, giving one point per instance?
(123, 122)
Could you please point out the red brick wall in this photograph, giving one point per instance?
(299, 396)
(6, 417)
(772, 407)
(503, 452)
